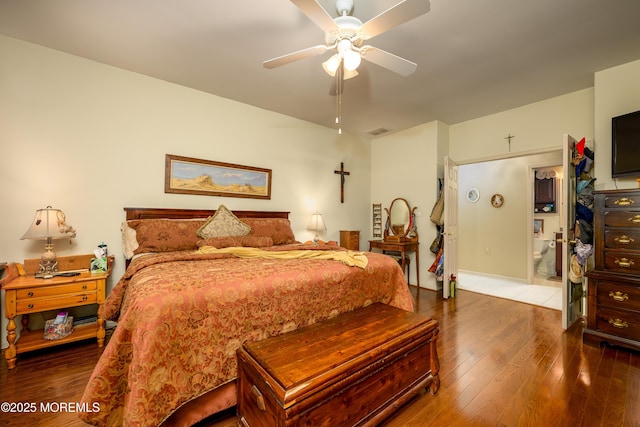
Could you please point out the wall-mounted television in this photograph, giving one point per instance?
(625, 145)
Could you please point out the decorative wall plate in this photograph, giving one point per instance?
(473, 195)
(497, 200)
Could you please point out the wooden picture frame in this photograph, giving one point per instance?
(187, 175)
(538, 226)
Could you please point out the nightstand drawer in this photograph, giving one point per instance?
(618, 295)
(43, 304)
(56, 290)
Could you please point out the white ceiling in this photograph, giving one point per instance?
(475, 57)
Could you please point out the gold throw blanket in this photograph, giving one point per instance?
(350, 258)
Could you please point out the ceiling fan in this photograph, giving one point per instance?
(346, 34)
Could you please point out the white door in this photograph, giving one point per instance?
(450, 223)
(572, 293)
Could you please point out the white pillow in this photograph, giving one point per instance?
(129, 241)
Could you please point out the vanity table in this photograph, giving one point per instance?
(400, 235)
(404, 248)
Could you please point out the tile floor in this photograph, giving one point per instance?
(545, 293)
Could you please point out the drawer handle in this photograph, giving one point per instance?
(635, 219)
(259, 399)
(30, 306)
(618, 296)
(84, 287)
(30, 294)
(618, 323)
(84, 297)
(624, 202)
(624, 239)
(624, 262)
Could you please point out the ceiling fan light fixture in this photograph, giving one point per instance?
(349, 74)
(331, 65)
(351, 60)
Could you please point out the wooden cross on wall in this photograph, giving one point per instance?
(508, 138)
(342, 174)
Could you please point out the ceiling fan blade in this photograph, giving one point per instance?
(295, 56)
(388, 60)
(399, 14)
(317, 14)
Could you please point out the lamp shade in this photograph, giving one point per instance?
(331, 65)
(351, 60)
(316, 224)
(48, 224)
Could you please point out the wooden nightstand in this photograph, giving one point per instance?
(350, 239)
(26, 294)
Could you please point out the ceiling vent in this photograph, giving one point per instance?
(378, 131)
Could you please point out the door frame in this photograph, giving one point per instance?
(529, 196)
(450, 232)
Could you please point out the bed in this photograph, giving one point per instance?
(185, 304)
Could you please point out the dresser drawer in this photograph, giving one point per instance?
(46, 291)
(629, 200)
(622, 239)
(623, 262)
(622, 219)
(618, 296)
(618, 322)
(33, 305)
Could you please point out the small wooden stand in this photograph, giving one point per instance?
(27, 294)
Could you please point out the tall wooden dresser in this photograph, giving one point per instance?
(613, 295)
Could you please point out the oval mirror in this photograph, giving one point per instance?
(399, 217)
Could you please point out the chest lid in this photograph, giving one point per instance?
(315, 356)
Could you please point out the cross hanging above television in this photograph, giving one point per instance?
(508, 138)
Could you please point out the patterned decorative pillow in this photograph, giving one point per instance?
(279, 229)
(246, 241)
(223, 224)
(162, 235)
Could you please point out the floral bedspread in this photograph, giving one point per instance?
(182, 316)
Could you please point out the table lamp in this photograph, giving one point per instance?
(317, 225)
(49, 224)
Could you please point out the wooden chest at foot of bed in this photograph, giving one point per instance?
(352, 370)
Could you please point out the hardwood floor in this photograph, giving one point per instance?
(503, 363)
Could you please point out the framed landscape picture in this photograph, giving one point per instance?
(186, 175)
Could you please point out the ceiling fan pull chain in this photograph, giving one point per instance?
(339, 83)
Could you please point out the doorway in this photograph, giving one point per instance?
(497, 241)
(546, 248)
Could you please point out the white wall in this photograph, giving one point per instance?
(405, 164)
(617, 92)
(536, 128)
(91, 139)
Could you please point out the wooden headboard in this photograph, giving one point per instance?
(169, 213)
